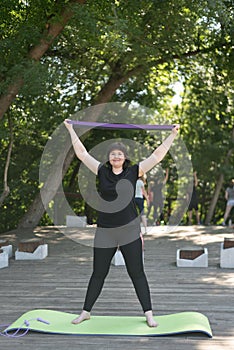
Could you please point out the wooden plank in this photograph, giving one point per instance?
(4, 242)
(59, 282)
(228, 243)
(29, 245)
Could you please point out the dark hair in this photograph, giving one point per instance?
(121, 147)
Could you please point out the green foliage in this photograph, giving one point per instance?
(150, 45)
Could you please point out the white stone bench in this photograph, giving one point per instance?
(199, 261)
(76, 221)
(118, 259)
(226, 257)
(4, 260)
(41, 252)
(8, 250)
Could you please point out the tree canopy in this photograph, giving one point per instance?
(59, 57)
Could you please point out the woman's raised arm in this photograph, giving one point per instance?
(159, 153)
(80, 149)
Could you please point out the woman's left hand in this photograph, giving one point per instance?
(175, 128)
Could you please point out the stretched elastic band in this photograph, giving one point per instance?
(121, 126)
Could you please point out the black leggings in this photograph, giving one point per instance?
(132, 254)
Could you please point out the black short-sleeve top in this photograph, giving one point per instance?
(107, 182)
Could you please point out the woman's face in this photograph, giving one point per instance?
(116, 158)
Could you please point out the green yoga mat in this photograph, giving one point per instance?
(60, 323)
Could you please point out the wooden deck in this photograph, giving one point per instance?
(59, 282)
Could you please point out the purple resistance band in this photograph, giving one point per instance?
(26, 323)
(16, 334)
(121, 126)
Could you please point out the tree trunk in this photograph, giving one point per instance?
(6, 189)
(37, 208)
(114, 82)
(52, 31)
(214, 200)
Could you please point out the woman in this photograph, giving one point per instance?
(229, 196)
(193, 205)
(123, 224)
(140, 196)
(158, 198)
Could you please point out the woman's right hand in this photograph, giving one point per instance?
(68, 125)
